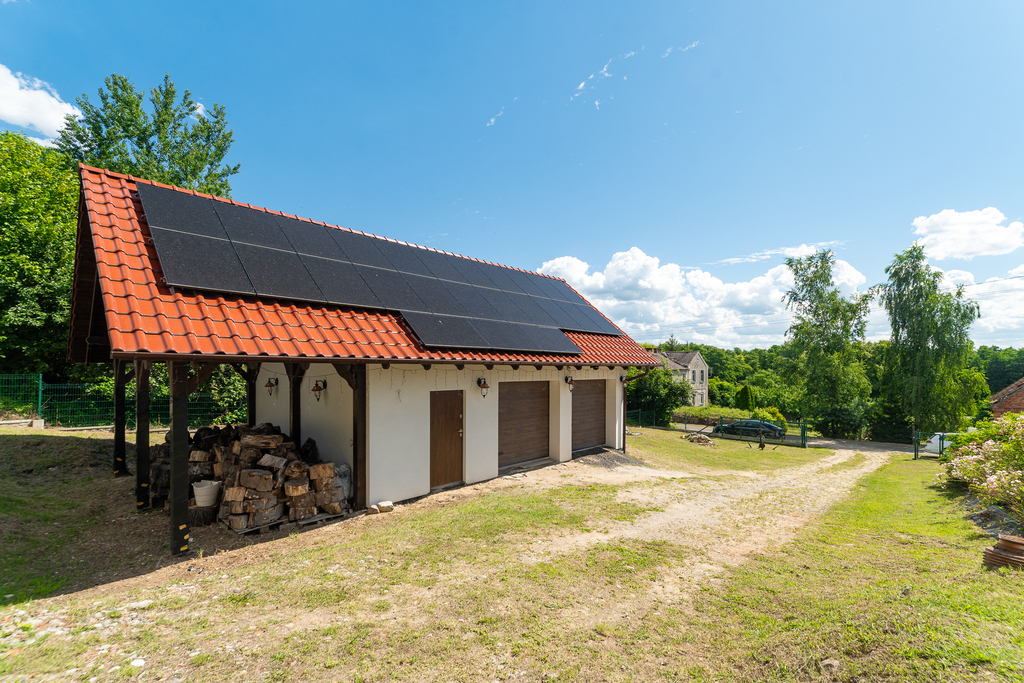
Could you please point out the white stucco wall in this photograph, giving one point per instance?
(398, 418)
(327, 421)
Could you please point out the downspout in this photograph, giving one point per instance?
(625, 385)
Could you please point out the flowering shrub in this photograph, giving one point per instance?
(994, 468)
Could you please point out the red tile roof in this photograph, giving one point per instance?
(145, 318)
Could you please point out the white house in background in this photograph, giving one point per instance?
(689, 366)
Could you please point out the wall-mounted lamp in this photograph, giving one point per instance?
(622, 379)
(484, 386)
(271, 385)
(570, 381)
(318, 386)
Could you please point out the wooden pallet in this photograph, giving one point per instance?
(284, 525)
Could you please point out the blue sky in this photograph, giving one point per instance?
(663, 157)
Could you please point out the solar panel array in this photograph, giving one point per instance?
(449, 301)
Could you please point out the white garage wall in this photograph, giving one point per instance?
(328, 422)
(398, 416)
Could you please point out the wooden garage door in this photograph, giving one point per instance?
(523, 426)
(588, 413)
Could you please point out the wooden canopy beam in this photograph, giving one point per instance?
(202, 374)
(177, 372)
(142, 368)
(345, 371)
(121, 377)
(295, 372)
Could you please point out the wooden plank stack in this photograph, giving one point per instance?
(264, 478)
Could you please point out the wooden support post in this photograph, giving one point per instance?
(178, 375)
(359, 415)
(142, 434)
(253, 370)
(120, 418)
(295, 373)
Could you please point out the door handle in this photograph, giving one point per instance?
(460, 432)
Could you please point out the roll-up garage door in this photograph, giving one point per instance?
(523, 423)
(588, 413)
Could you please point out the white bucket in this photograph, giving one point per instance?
(206, 492)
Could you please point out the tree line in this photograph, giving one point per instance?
(167, 137)
(926, 376)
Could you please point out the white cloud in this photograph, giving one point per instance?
(652, 301)
(964, 235)
(31, 103)
(495, 117)
(1017, 272)
(795, 252)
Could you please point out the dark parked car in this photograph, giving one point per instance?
(750, 428)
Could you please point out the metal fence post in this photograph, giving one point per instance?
(39, 410)
(803, 433)
(917, 442)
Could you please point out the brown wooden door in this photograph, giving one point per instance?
(523, 423)
(445, 437)
(588, 413)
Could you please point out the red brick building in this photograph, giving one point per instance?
(1009, 400)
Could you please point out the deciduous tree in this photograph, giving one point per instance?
(38, 196)
(926, 370)
(179, 143)
(824, 334)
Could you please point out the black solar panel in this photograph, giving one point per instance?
(444, 330)
(449, 301)
(360, 249)
(435, 295)
(340, 282)
(440, 266)
(251, 227)
(403, 258)
(392, 289)
(471, 272)
(200, 262)
(310, 238)
(179, 211)
(278, 273)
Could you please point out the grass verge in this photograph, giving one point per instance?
(666, 448)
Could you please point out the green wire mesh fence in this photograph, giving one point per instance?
(88, 405)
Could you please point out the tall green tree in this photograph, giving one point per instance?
(179, 142)
(825, 335)
(657, 392)
(38, 199)
(926, 372)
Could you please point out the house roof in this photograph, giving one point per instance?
(119, 298)
(1008, 391)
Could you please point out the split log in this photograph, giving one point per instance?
(259, 480)
(328, 497)
(262, 517)
(249, 456)
(262, 441)
(332, 508)
(325, 484)
(234, 493)
(272, 461)
(200, 469)
(323, 470)
(295, 468)
(257, 504)
(199, 456)
(298, 514)
(238, 521)
(306, 500)
(296, 487)
(236, 507)
(253, 493)
(236, 447)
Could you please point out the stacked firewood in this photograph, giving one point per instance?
(264, 477)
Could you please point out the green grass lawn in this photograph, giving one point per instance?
(888, 583)
(668, 449)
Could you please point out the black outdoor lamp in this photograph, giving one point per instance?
(570, 381)
(270, 385)
(484, 386)
(318, 386)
